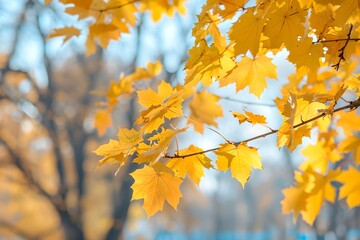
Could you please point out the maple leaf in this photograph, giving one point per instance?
(204, 110)
(118, 151)
(322, 18)
(246, 32)
(349, 122)
(156, 185)
(112, 152)
(351, 186)
(207, 63)
(295, 111)
(102, 121)
(309, 194)
(307, 54)
(351, 144)
(252, 73)
(346, 10)
(294, 201)
(249, 117)
(208, 25)
(149, 153)
(240, 159)
(102, 33)
(353, 82)
(66, 32)
(318, 156)
(125, 84)
(166, 103)
(341, 90)
(225, 8)
(285, 24)
(193, 165)
(160, 7)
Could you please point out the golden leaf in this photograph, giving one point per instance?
(155, 187)
(192, 165)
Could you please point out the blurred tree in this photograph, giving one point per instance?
(47, 134)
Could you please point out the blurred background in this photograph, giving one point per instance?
(50, 187)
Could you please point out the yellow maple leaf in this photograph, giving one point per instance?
(321, 18)
(166, 103)
(351, 186)
(349, 122)
(207, 63)
(340, 91)
(240, 159)
(204, 110)
(159, 143)
(129, 138)
(151, 70)
(149, 97)
(112, 19)
(112, 152)
(192, 165)
(319, 155)
(324, 191)
(351, 144)
(249, 117)
(294, 201)
(309, 194)
(118, 151)
(159, 7)
(225, 8)
(208, 25)
(346, 10)
(102, 121)
(307, 54)
(125, 84)
(246, 32)
(296, 110)
(66, 32)
(101, 33)
(251, 72)
(285, 24)
(155, 187)
(353, 82)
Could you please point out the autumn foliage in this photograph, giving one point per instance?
(322, 96)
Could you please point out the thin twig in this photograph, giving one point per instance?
(342, 50)
(247, 102)
(337, 40)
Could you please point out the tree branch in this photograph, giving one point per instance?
(352, 106)
(337, 40)
(342, 50)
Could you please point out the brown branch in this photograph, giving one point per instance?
(353, 105)
(342, 50)
(337, 40)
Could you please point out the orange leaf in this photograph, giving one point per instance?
(156, 186)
